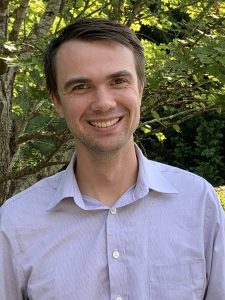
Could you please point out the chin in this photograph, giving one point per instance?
(107, 145)
(107, 148)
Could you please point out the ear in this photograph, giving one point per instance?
(57, 104)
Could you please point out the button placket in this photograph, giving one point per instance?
(115, 252)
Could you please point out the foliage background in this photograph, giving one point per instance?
(221, 194)
(183, 107)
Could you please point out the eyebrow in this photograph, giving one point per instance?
(122, 73)
(72, 81)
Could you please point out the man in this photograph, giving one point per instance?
(113, 225)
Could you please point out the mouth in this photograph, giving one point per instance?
(105, 124)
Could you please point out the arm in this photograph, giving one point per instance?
(9, 283)
(215, 251)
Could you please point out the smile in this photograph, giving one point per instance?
(104, 124)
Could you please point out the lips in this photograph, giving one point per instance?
(104, 124)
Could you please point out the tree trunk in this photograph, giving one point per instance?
(6, 90)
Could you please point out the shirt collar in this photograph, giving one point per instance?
(67, 186)
(149, 177)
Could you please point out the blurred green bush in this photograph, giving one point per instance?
(221, 194)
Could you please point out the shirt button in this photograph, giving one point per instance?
(116, 254)
(113, 211)
(119, 298)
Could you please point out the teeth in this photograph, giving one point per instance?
(105, 123)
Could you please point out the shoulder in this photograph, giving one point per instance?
(195, 197)
(179, 177)
(33, 200)
(190, 186)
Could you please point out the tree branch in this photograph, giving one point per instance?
(19, 13)
(34, 169)
(41, 136)
(204, 11)
(162, 127)
(46, 21)
(137, 7)
(86, 6)
(62, 6)
(207, 29)
(81, 14)
(182, 6)
(180, 114)
(3, 17)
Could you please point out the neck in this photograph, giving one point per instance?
(106, 177)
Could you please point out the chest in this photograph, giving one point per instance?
(133, 253)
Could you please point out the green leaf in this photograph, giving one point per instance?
(146, 129)
(177, 128)
(160, 136)
(155, 115)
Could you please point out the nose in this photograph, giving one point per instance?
(103, 100)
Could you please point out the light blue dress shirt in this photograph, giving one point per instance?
(164, 239)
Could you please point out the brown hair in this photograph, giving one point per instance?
(92, 30)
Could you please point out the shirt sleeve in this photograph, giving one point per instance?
(215, 250)
(9, 283)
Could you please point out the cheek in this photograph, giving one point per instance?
(74, 112)
(135, 102)
(131, 97)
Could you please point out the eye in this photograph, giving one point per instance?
(120, 82)
(80, 86)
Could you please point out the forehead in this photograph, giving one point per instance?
(90, 51)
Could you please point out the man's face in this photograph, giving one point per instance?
(99, 92)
